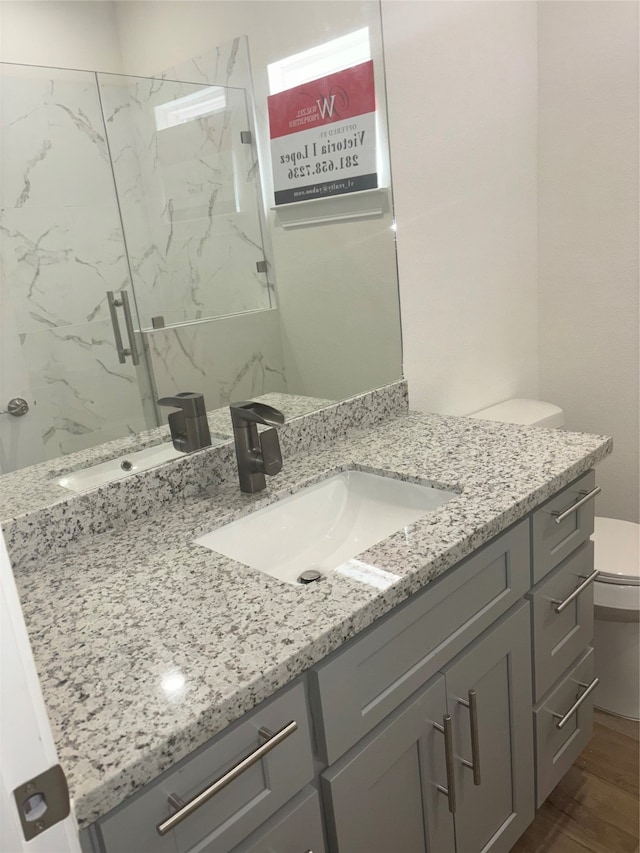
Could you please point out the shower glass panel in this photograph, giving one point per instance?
(188, 187)
(62, 249)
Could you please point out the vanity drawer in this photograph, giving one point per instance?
(557, 749)
(557, 530)
(240, 807)
(296, 828)
(559, 637)
(360, 684)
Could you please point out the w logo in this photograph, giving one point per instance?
(326, 106)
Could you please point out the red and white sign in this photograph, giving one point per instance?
(323, 136)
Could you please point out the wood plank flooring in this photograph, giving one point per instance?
(595, 807)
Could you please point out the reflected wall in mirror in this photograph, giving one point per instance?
(148, 175)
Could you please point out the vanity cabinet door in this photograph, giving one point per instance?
(494, 808)
(296, 828)
(383, 795)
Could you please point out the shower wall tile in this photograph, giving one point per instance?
(54, 148)
(189, 201)
(225, 65)
(81, 391)
(62, 249)
(228, 359)
(58, 262)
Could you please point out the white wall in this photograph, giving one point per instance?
(68, 34)
(588, 193)
(461, 83)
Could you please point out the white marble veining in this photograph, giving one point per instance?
(122, 608)
(190, 200)
(189, 197)
(232, 358)
(62, 249)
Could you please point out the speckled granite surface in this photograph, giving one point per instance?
(148, 645)
(39, 521)
(29, 489)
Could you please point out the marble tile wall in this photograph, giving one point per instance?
(62, 249)
(190, 200)
(193, 253)
(188, 197)
(234, 358)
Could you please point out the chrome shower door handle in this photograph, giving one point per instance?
(128, 321)
(123, 303)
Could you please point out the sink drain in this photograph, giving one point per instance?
(126, 465)
(310, 576)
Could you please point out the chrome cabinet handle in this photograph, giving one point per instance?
(186, 809)
(450, 790)
(560, 515)
(474, 764)
(559, 606)
(564, 719)
(124, 304)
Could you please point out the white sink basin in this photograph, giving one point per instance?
(123, 466)
(325, 526)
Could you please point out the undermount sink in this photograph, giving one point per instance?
(323, 527)
(125, 465)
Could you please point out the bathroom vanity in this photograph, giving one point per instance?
(434, 713)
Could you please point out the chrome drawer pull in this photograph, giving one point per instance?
(450, 790)
(221, 782)
(563, 720)
(474, 764)
(559, 606)
(560, 515)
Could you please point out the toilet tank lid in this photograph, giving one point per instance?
(520, 410)
(617, 550)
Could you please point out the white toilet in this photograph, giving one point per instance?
(617, 589)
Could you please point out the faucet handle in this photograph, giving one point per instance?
(189, 427)
(258, 413)
(271, 453)
(191, 403)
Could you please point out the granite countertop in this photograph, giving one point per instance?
(35, 487)
(148, 645)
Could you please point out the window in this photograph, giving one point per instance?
(327, 58)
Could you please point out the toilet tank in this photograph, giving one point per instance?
(520, 410)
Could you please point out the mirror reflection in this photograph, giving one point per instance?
(142, 252)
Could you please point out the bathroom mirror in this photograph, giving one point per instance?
(136, 162)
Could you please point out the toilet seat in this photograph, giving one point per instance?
(617, 588)
(617, 551)
(524, 412)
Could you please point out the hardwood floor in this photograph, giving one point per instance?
(595, 807)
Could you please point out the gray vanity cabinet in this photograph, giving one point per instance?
(417, 736)
(383, 795)
(394, 791)
(254, 793)
(296, 828)
(489, 700)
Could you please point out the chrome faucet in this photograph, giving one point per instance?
(257, 453)
(189, 427)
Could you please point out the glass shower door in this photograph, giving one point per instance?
(62, 250)
(189, 193)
